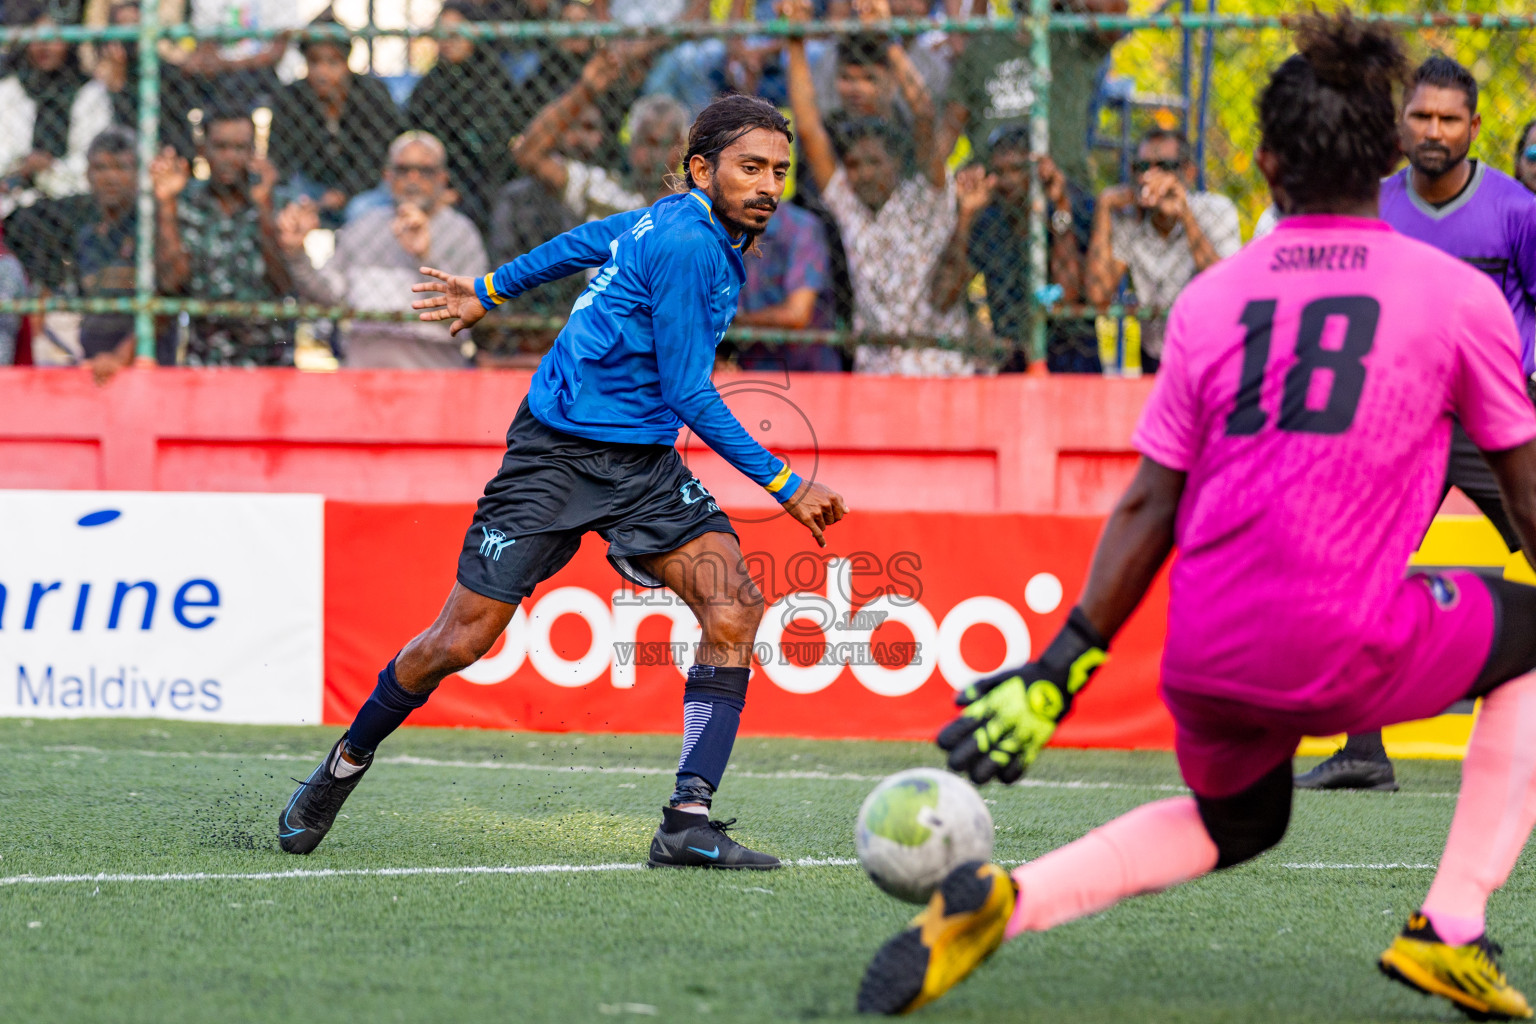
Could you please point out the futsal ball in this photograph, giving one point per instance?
(917, 826)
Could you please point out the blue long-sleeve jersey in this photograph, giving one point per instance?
(633, 363)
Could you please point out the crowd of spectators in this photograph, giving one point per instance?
(285, 174)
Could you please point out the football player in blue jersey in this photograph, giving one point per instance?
(592, 448)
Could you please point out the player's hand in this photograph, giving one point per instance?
(454, 299)
(816, 507)
(1010, 715)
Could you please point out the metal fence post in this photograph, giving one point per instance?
(1039, 142)
(149, 133)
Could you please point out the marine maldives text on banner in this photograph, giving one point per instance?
(195, 606)
(869, 637)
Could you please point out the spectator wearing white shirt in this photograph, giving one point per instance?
(50, 110)
(894, 221)
(1158, 231)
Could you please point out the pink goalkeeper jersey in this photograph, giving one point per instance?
(1307, 389)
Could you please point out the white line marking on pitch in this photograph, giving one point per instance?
(522, 766)
(742, 773)
(513, 869)
(265, 876)
(1394, 866)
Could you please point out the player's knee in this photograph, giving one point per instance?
(1246, 824)
(735, 622)
(451, 649)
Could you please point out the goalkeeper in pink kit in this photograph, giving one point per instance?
(1293, 450)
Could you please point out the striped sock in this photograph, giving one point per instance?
(712, 706)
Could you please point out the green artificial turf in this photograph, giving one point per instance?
(1263, 942)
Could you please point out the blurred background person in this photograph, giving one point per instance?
(1525, 156)
(467, 101)
(992, 239)
(528, 213)
(330, 129)
(50, 110)
(1159, 231)
(658, 134)
(377, 257)
(894, 206)
(217, 240)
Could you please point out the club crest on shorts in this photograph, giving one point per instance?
(494, 541)
(1445, 592)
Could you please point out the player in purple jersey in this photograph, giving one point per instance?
(1293, 450)
(1469, 210)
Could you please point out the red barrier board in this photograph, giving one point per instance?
(868, 638)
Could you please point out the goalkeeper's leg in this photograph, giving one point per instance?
(1154, 847)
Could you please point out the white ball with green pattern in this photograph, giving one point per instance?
(916, 826)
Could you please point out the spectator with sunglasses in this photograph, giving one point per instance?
(378, 254)
(1525, 156)
(1160, 232)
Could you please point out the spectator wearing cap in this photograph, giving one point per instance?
(466, 100)
(217, 240)
(894, 207)
(992, 84)
(992, 238)
(331, 128)
(377, 257)
(1159, 231)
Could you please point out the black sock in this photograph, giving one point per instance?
(1365, 746)
(383, 712)
(712, 703)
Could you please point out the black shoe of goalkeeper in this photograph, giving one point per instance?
(704, 845)
(314, 806)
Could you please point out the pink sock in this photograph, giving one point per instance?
(1494, 814)
(1153, 847)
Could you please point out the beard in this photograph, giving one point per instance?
(1434, 160)
(734, 220)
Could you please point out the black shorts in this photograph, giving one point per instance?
(554, 487)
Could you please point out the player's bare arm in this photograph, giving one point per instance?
(1135, 544)
(1010, 715)
(1515, 470)
(453, 299)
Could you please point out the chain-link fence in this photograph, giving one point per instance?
(233, 182)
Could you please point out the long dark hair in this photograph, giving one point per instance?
(1330, 113)
(725, 121)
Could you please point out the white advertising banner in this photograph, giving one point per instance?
(204, 607)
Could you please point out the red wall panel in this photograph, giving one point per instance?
(994, 444)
